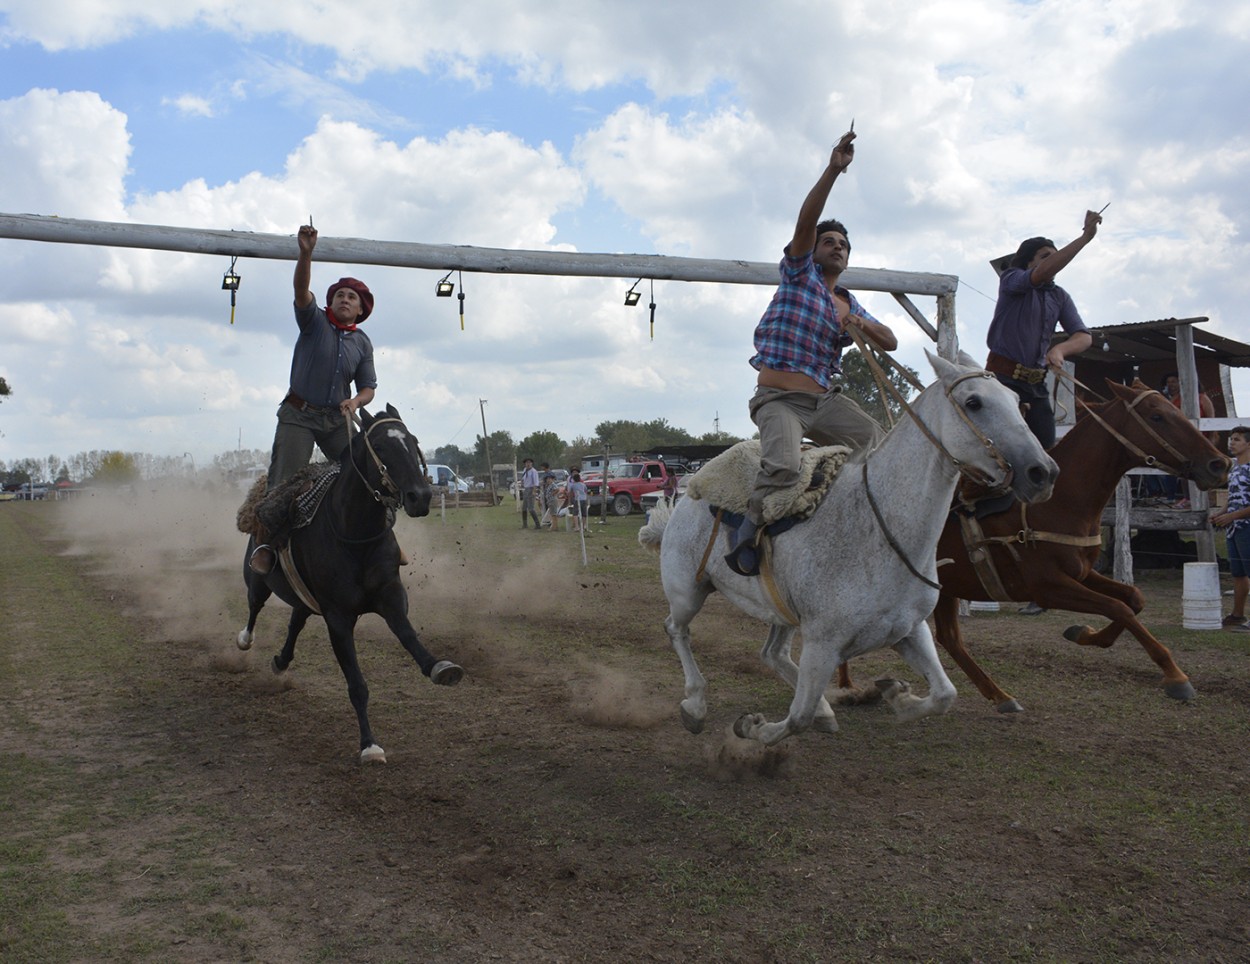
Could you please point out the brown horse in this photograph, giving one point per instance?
(1047, 555)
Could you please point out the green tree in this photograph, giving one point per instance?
(456, 457)
(116, 468)
(862, 385)
(543, 447)
(502, 449)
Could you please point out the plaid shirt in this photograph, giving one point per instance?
(1238, 494)
(800, 331)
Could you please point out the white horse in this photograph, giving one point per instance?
(861, 573)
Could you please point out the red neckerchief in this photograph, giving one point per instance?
(338, 324)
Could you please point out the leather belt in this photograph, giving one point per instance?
(1002, 365)
(300, 405)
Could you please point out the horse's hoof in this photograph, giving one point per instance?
(1010, 706)
(1180, 691)
(691, 722)
(278, 667)
(1073, 633)
(373, 754)
(243, 640)
(743, 724)
(825, 724)
(446, 673)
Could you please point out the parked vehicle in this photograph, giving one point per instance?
(629, 481)
(443, 475)
(652, 499)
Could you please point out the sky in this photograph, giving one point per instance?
(688, 129)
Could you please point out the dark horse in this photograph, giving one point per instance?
(348, 560)
(1048, 555)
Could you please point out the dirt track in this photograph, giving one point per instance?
(170, 798)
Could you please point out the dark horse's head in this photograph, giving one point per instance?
(389, 456)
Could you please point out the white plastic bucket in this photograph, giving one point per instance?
(978, 606)
(1200, 598)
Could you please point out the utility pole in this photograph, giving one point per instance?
(490, 466)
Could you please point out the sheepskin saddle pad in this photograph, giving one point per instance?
(291, 505)
(727, 481)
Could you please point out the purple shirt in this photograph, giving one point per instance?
(800, 331)
(1025, 318)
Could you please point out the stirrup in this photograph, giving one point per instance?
(744, 558)
(261, 565)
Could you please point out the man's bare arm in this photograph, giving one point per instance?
(814, 204)
(303, 266)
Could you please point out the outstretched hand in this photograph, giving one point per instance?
(1092, 220)
(843, 152)
(307, 238)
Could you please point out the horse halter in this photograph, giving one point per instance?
(394, 499)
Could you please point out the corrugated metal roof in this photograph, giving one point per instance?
(1145, 341)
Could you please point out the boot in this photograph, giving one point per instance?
(744, 557)
(261, 561)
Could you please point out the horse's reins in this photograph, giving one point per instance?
(394, 500)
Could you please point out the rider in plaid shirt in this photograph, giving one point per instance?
(798, 356)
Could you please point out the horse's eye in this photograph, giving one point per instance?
(973, 404)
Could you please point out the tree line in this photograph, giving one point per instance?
(618, 435)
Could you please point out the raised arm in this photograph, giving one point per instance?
(303, 266)
(814, 204)
(1047, 268)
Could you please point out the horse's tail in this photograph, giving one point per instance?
(651, 535)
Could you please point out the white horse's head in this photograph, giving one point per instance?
(983, 429)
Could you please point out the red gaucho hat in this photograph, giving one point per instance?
(362, 289)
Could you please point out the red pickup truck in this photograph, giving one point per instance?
(629, 481)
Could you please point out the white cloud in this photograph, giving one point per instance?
(190, 105)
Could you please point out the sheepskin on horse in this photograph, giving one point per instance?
(344, 560)
(861, 572)
(1047, 553)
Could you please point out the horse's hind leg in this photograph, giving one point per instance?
(816, 667)
(921, 655)
(299, 616)
(776, 655)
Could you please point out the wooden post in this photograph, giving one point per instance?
(947, 336)
(1122, 568)
(1187, 372)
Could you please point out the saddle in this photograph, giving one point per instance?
(270, 517)
(726, 482)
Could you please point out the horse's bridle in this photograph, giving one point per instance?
(394, 500)
(1183, 467)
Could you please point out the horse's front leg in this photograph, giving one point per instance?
(921, 655)
(950, 638)
(294, 626)
(776, 655)
(694, 703)
(1104, 638)
(1083, 598)
(394, 609)
(342, 626)
(817, 663)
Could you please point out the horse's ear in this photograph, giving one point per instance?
(365, 417)
(391, 410)
(1126, 392)
(967, 360)
(941, 367)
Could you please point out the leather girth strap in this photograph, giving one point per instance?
(978, 545)
(764, 545)
(296, 581)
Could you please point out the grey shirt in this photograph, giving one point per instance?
(327, 359)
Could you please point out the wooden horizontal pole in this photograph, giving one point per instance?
(444, 257)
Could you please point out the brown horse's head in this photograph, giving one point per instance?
(1164, 435)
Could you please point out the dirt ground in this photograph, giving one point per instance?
(193, 806)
